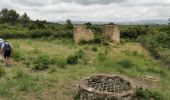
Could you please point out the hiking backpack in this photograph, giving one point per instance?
(7, 47)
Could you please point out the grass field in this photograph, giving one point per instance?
(21, 81)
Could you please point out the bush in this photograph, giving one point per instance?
(82, 57)
(80, 54)
(125, 63)
(17, 56)
(94, 48)
(75, 58)
(32, 27)
(158, 43)
(63, 34)
(2, 71)
(97, 40)
(59, 60)
(72, 59)
(147, 95)
(38, 34)
(42, 62)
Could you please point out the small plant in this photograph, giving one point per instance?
(41, 62)
(80, 54)
(125, 63)
(72, 59)
(86, 47)
(94, 48)
(17, 56)
(59, 60)
(2, 71)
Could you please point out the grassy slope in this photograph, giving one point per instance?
(21, 82)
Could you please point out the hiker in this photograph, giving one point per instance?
(7, 51)
(1, 50)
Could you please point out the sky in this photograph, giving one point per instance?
(91, 10)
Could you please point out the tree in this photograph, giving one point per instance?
(69, 24)
(9, 16)
(4, 15)
(24, 19)
(13, 16)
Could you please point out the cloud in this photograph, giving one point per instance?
(91, 10)
(91, 2)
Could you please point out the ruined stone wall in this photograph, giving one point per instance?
(81, 33)
(112, 33)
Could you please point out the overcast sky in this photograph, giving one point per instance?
(91, 10)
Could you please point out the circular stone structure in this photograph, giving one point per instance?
(106, 87)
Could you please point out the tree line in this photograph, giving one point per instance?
(10, 16)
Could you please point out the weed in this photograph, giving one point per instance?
(42, 62)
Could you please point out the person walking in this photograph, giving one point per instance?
(7, 51)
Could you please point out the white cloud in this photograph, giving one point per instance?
(91, 10)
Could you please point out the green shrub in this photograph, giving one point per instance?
(17, 56)
(2, 71)
(94, 48)
(63, 34)
(82, 59)
(38, 34)
(77, 57)
(42, 62)
(147, 95)
(97, 40)
(59, 60)
(86, 47)
(125, 63)
(105, 42)
(72, 59)
(80, 54)
(32, 27)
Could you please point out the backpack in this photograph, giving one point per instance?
(7, 47)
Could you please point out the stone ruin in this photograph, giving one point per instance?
(82, 33)
(112, 33)
(105, 87)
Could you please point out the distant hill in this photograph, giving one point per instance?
(147, 22)
(139, 22)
